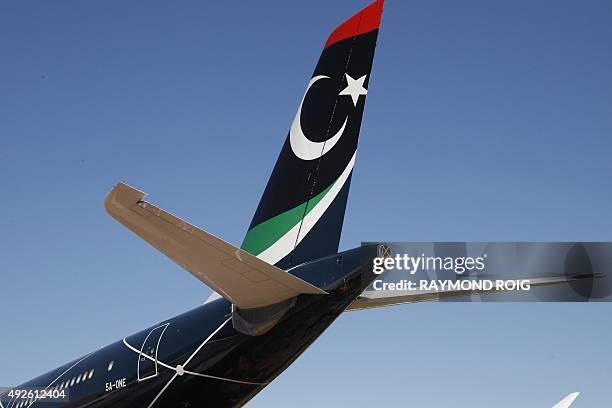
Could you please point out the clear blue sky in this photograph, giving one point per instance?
(485, 121)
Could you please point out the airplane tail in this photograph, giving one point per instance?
(567, 401)
(300, 215)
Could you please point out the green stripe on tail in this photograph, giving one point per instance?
(262, 236)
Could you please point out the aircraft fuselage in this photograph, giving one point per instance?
(199, 357)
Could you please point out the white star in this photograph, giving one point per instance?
(354, 88)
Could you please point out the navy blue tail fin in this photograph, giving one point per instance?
(300, 215)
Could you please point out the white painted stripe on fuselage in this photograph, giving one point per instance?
(135, 350)
(188, 360)
(169, 367)
(60, 376)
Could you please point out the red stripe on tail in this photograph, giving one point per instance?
(363, 22)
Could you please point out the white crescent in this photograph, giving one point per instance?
(304, 148)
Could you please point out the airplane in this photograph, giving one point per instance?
(275, 294)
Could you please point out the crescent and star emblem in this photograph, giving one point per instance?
(305, 148)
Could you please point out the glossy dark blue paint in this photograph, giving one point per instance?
(232, 367)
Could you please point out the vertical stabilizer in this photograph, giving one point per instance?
(567, 401)
(300, 215)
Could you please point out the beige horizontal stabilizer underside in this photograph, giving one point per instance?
(241, 278)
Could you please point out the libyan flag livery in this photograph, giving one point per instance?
(300, 215)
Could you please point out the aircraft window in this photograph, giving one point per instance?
(90, 374)
(78, 380)
(110, 365)
(72, 381)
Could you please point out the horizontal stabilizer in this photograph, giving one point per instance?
(238, 276)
